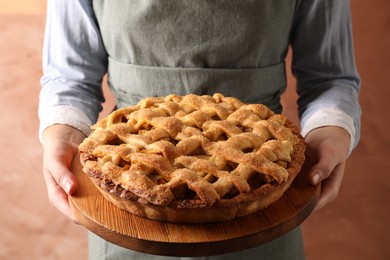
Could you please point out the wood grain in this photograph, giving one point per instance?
(154, 237)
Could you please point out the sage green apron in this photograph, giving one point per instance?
(160, 47)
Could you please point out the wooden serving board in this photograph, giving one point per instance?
(161, 238)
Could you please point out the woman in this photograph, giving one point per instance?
(237, 48)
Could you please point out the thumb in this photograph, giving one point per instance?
(62, 176)
(324, 167)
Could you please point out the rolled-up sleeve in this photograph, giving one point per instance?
(328, 83)
(74, 63)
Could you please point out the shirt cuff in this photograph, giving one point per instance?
(66, 115)
(331, 117)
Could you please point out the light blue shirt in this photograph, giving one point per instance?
(75, 61)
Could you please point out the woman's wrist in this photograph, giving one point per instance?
(64, 133)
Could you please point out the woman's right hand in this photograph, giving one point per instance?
(60, 145)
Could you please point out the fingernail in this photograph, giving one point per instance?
(316, 177)
(68, 186)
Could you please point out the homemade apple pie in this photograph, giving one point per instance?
(193, 159)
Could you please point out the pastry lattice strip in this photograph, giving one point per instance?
(189, 141)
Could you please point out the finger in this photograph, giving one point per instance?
(328, 160)
(57, 197)
(330, 187)
(62, 176)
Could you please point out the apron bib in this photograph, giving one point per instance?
(160, 47)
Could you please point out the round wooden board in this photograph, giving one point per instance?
(161, 238)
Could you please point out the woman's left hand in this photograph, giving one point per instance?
(331, 146)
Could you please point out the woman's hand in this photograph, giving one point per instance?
(331, 145)
(60, 145)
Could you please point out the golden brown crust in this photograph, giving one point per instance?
(193, 159)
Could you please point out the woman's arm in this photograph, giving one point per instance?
(74, 62)
(328, 86)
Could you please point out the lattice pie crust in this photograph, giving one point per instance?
(193, 159)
